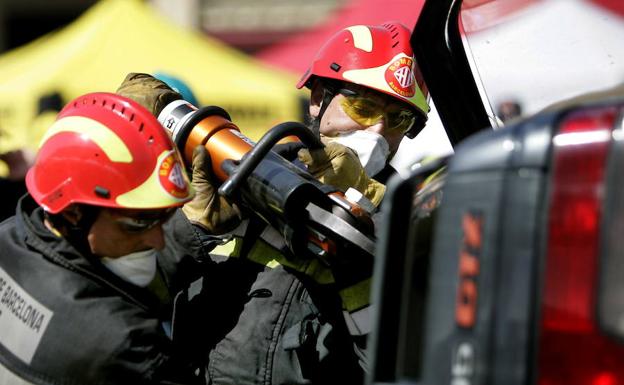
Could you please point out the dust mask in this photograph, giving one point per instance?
(372, 149)
(137, 268)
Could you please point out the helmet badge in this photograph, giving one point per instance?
(171, 177)
(400, 76)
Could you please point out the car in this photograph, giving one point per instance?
(503, 262)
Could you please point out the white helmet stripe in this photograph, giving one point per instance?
(104, 137)
(362, 37)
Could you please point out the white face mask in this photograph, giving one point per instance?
(137, 268)
(372, 149)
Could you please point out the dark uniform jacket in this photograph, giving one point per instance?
(278, 324)
(65, 319)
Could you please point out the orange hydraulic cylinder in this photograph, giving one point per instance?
(222, 139)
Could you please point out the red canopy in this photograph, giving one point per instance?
(297, 52)
(481, 14)
(616, 6)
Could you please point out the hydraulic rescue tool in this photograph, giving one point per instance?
(314, 219)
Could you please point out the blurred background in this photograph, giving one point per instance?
(246, 24)
(247, 55)
(243, 55)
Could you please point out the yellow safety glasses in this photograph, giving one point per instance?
(367, 112)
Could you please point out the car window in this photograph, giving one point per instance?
(528, 54)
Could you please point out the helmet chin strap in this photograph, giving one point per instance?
(75, 233)
(328, 95)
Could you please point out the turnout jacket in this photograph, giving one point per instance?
(276, 325)
(280, 322)
(66, 319)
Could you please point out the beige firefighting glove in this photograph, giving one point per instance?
(148, 91)
(339, 166)
(208, 209)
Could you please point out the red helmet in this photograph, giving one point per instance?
(107, 150)
(375, 56)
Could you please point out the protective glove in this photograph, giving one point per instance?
(148, 91)
(208, 209)
(339, 166)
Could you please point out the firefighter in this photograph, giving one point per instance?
(300, 323)
(367, 93)
(288, 320)
(97, 250)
